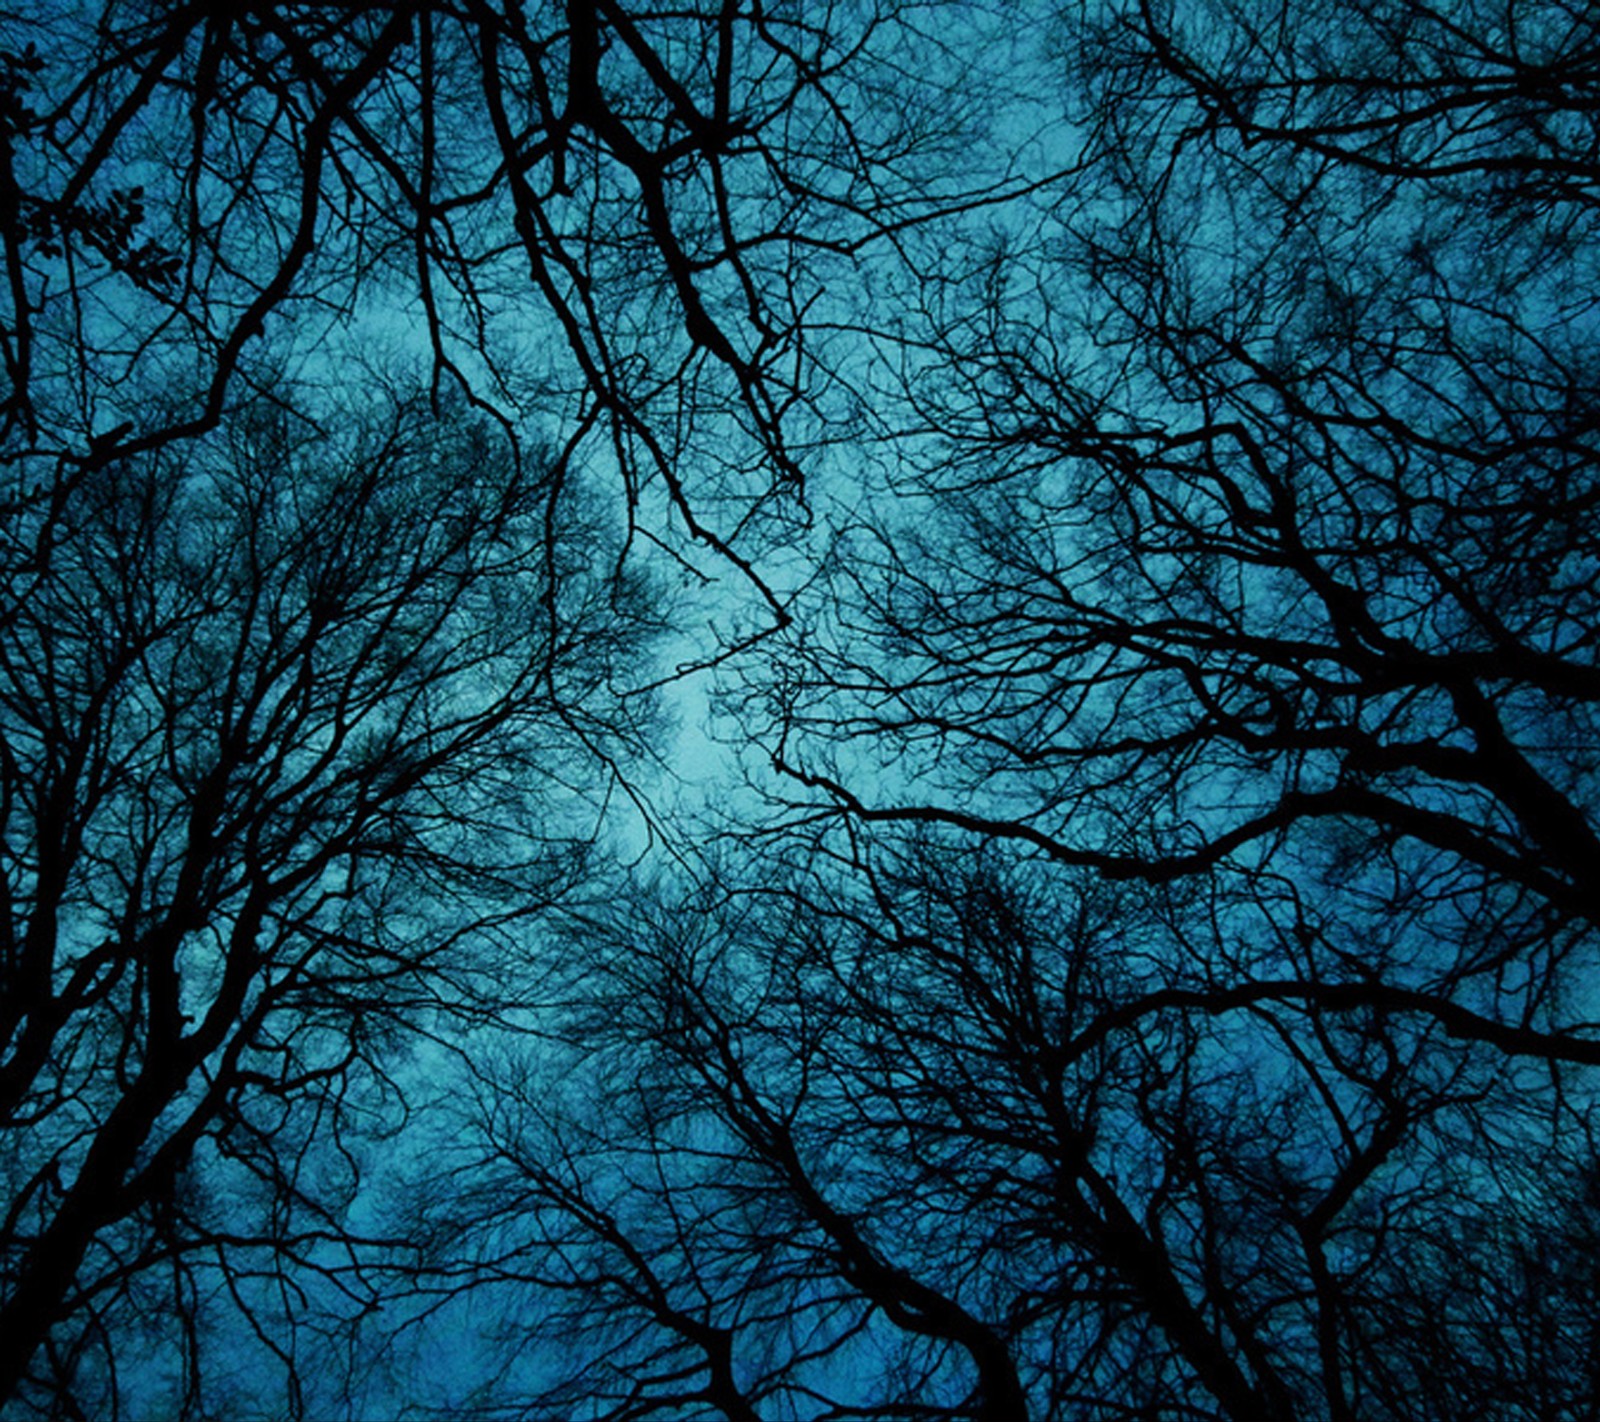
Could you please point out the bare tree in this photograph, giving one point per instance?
(296, 733)
(1165, 974)
(1256, 533)
(623, 216)
(1255, 548)
(1292, 526)
(1230, 606)
(284, 717)
(948, 1136)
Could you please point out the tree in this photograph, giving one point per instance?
(617, 216)
(951, 1136)
(1254, 546)
(279, 741)
(1255, 530)
(1290, 525)
(1153, 495)
(289, 726)
(1236, 570)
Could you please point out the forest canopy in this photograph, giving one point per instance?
(857, 710)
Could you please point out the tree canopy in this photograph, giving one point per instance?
(778, 710)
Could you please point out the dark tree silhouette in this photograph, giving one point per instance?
(1197, 1018)
(1149, 970)
(287, 729)
(1257, 533)
(620, 215)
(951, 1137)
(1292, 525)
(287, 723)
